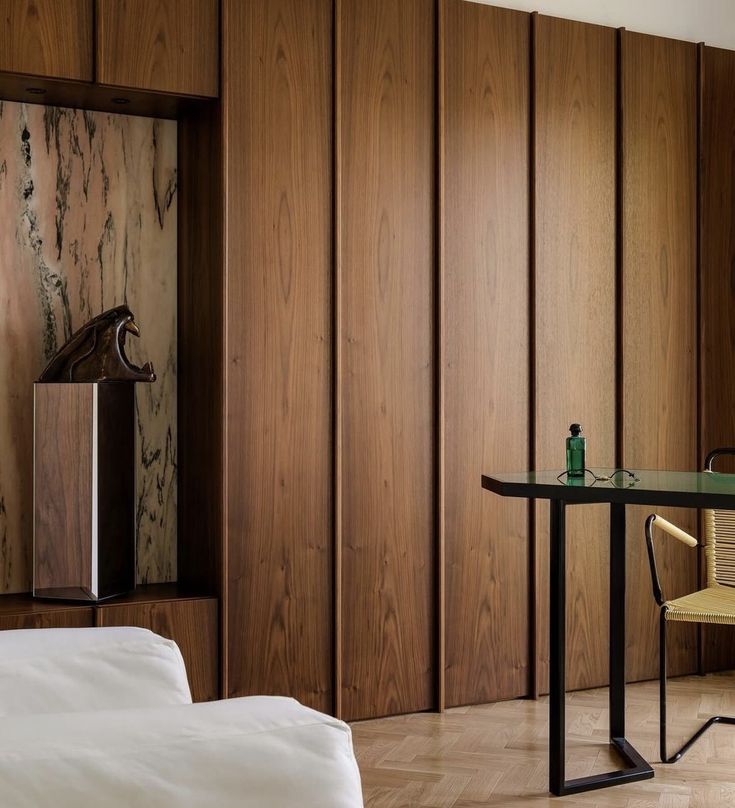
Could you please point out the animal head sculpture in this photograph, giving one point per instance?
(96, 352)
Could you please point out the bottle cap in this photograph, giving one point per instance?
(575, 429)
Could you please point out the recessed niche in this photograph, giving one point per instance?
(87, 222)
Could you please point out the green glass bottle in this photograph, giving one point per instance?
(576, 448)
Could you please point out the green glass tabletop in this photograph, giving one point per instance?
(687, 489)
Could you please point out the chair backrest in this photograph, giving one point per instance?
(719, 527)
(720, 547)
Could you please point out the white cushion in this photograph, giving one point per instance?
(59, 670)
(258, 752)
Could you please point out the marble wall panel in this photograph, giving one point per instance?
(87, 221)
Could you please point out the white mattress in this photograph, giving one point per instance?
(80, 669)
(260, 752)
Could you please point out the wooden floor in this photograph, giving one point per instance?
(496, 754)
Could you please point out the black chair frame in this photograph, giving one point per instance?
(661, 601)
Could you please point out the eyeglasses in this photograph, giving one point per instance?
(612, 478)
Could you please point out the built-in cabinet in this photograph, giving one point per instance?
(190, 621)
(278, 539)
(168, 46)
(51, 38)
(659, 321)
(574, 303)
(489, 251)
(417, 239)
(385, 354)
(484, 328)
(145, 57)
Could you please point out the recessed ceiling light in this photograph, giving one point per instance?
(36, 90)
(120, 100)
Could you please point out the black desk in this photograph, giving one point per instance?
(680, 489)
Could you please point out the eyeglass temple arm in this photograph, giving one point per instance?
(675, 532)
(726, 450)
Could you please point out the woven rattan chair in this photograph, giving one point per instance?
(715, 604)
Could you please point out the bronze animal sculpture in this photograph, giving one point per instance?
(96, 352)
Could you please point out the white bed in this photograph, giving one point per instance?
(267, 752)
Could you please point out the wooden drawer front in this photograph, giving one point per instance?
(191, 624)
(52, 618)
(47, 38)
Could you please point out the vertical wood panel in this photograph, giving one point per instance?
(385, 97)
(484, 368)
(575, 97)
(717, 287)
(277, 108)
(47, 38)
(659, 401)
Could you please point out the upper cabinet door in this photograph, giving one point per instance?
(47, 38)
(170, 46)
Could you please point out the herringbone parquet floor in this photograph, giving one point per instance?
(496, 754)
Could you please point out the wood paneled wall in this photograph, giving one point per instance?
(450, 231)
(575, 361)
(659, 316)
(717, 287)
(277, 98)
(385, 226)
(484, 346)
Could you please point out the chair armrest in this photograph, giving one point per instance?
(675, 532)
(715, 453)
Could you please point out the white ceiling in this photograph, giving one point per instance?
(710, 21)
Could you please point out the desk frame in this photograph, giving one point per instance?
(652, 488)
(638, 768)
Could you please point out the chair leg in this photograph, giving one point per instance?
(662, 683)
(716, 719)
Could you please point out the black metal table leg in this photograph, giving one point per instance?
(617, 622)
(637, 767)
(557, 650)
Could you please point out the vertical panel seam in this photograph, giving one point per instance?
(619, 378)
(533, 688)
(439, 50)
(337, 362)
(224, 346)
(698, 321)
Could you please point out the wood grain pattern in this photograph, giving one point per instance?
(277, 105)
(496, 754)
(485, 380)
(385, 145)
(169, 46)
(191, 624)
(575, 98)
(717, 287)
(659, 401)
(50, 618)
(63, 486)
(47, 38)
